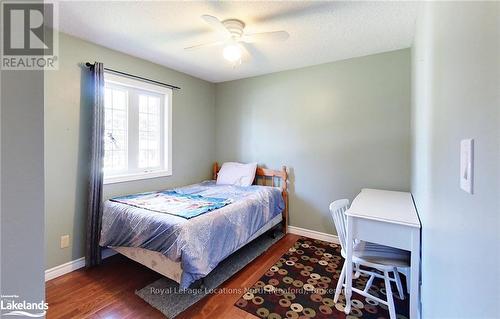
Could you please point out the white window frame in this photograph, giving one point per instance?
(166, 138)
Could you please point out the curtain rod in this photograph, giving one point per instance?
(88, 64)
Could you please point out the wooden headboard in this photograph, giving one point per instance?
(269, 177)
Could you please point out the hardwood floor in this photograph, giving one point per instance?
(107, 291)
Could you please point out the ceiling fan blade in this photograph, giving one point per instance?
(251, 52)
(216, 24)
(204, 45)
(247, 55)
(266, 36)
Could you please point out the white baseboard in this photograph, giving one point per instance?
(73, 265)
(80, 262)
(313, 234)
(64, 268)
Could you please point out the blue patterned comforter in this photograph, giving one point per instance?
(199, 243)
(174, 203)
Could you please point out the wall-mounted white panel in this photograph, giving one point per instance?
(466, 164)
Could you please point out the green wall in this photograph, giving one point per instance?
(339, 127)
(456, 95)
(67, 129)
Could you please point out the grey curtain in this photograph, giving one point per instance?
(94, 215)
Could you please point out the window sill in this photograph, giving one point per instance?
(136, 177)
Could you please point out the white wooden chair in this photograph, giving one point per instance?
(383, 258)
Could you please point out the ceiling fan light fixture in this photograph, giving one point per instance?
(235, 40)
(232, 53)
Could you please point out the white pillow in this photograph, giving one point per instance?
(238, 174)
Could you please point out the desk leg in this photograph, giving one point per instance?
(415, 275)
(348, 268)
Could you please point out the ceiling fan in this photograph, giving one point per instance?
(233, 37)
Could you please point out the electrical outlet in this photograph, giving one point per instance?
(64, 241)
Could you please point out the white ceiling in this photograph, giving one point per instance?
(319, 32)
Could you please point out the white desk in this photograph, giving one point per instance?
(386, 218)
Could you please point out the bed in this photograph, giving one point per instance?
(187, 249)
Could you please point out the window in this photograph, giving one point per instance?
(137, 130)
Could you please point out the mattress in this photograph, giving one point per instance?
(172, 269)
(199, 243)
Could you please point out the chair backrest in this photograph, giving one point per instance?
(337, 210)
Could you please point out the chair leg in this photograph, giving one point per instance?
(408, 280)
(398, 283)
(339, 285)
(390, 300)
(369, 283)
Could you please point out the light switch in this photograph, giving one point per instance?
(467, 165)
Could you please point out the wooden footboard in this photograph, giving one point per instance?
(269, 177)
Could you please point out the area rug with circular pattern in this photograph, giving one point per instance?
(302, 285)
